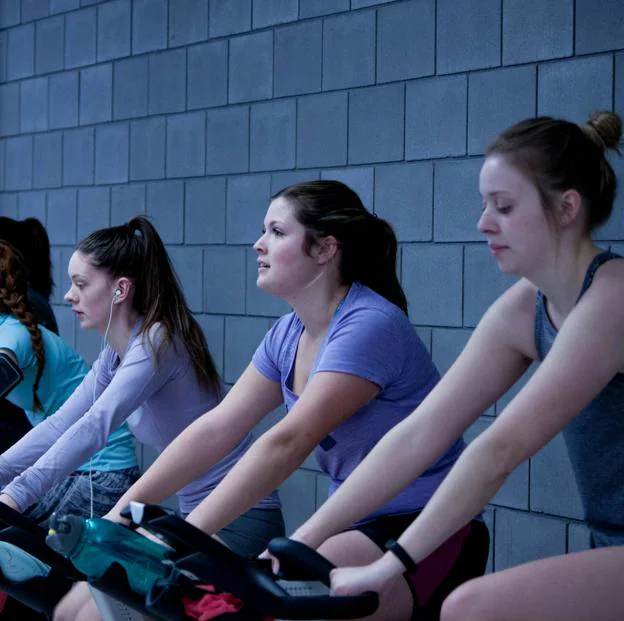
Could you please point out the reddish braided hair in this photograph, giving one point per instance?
(13, 301)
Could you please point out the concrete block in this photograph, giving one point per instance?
(523, 537)
(149, 25)
(187, 263)
(80, 37)
(31, 205)
(186, 145)
(349, 50)
(298, 58)
(273, 135)
(435, 117)
(376, 122)
(204, 213)
(502, 403)
(360, 180)
(514, 493)
(88, 344)
(147, 149)
(314, 8)
(426, 335)
(298, 494)
(459, 25)
(258, 301)
(456, 200)
(49, 38)
(227, 18)
(553, 486)
(62, 219)
(213, 327)
(572, 89)
(63, 100)
(78, 156)
(165, 204)
(19, 163)
(483, 282)
(188, 21)
(322, 130)
(60, 6)
(96, 94)
(282, 180)
(93, 210)
(619, 83)
(534, 30)
(358, 4)
(8, 205)
(127, 201)
(112, 153)
(224, 280)
(271, 419)
(21, 52)
(34, 9)
(167, 82)
(447, 345)
(406, 41)
(2, 161)
(9, 109)
(4, 51)
(114, 30)
(579, 538)
(247, 202)
(432, 280)
(66, 321)
(598, 26)
(322, 489)
(270, 12)
(130, 88)
(227, 140)
(251, 67)
(60, 261)
(515, 90)
(47, 160)
(404, 197)
(242, 337)
(207, 75)
(9, 13)
(489, 517)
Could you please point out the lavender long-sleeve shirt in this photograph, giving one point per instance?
(158, 399)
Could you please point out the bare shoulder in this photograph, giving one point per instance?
(512, 317)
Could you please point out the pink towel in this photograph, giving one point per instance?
(212, 604)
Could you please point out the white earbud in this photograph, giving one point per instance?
(117, 293)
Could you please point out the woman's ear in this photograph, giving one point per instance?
(123, 290)
(569, 207)
(325, 249)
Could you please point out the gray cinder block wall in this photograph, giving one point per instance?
(195, 111)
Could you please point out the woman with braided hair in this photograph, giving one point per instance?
(51, 372)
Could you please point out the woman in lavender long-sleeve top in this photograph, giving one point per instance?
(155, 373)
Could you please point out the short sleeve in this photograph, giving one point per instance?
(366, 342)
(17, 338)
(268, 354)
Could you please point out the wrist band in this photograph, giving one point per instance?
(398, 551)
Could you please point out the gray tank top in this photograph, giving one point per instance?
(595, 438)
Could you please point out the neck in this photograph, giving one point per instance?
(316, 307)
(120, 329)
(562, 282)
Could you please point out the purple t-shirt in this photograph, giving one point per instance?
(158, 400)
(371, 338)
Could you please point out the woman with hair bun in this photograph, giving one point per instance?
(546, 184)
(348, 366)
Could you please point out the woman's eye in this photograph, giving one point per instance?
(277, 232)
(504, 208)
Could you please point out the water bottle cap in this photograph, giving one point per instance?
(65, 533)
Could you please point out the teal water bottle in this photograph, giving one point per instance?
(92, 545)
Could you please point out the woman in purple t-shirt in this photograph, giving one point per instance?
(348, 366)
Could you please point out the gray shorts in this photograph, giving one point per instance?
(73, 494)
(249, 534)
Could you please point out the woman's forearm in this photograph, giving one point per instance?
(265, 466)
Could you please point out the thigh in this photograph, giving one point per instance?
(249, 534)
(576, 587)
(354, 548)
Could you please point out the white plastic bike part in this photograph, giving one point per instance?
(113, 610)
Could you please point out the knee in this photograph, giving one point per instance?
(465, 604)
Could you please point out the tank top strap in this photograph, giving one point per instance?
(596, 262)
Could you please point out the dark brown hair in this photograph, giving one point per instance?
(136, 251)
(368, 243)
(558, 155)
(13, 301)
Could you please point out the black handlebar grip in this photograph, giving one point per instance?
(299, 562)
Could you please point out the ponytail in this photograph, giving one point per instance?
(13, 301)
(136, 251)
(368, 243)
